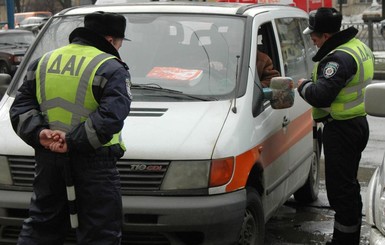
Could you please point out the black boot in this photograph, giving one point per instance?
(332, 242)
(341, 238)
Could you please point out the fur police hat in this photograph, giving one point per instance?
(324, 20)
(106, 24)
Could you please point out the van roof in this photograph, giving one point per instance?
(178, 7)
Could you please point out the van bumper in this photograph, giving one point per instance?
(215, 219)
(13, 210)
(14, 206)
(212, 220)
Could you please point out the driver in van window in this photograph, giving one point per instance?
(265, 69)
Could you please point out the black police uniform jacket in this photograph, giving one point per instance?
(327, 88)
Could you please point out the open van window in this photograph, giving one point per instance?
(292, 47)
(267, 43)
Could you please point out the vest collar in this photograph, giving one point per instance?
(89, 37)
(334, 41)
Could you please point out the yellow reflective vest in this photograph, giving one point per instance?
(64, 79)
(349, 103)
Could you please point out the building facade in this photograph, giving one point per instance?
(353, 7)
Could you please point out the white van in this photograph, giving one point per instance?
(374, 202)
(210, 157)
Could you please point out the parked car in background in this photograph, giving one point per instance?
(19, 17)
(373, 13)
(13, 45)
(375, 195)
(31, 22)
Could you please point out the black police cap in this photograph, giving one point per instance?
(106, 24)
(324, 20)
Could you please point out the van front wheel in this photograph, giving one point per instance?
(253, 226)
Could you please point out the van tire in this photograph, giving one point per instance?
(253, 226)
(308, 193)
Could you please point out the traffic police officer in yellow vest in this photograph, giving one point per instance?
(71, 109)
(344, 66)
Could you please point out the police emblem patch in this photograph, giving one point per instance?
(330, 69)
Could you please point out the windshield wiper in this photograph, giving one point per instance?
(7, 44)
(157, 87)
(22, 43)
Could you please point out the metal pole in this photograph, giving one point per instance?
(370, 34)
(383, 11)
(10, 14)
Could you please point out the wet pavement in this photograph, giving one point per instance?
(313, 224)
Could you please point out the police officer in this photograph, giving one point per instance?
(344, 66)
(71, 109)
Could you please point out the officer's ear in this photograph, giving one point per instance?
(110, 39)
(327, 35)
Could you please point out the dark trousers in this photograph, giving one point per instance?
(98, 200)
(344, 142)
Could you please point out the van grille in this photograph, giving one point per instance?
(140, 175)
(10, 232)
(134, 175)
(22, 170)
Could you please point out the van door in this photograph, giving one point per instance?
(275, 155)
(297, 64)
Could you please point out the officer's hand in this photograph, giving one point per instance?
(45, 137)
(300, 81)
(58, 136)
(59, 147)
(59, 143)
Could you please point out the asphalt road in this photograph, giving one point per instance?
(313, 224)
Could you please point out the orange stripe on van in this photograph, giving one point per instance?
(270, 149)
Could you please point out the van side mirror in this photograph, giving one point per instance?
(280, 93)
(375, 99)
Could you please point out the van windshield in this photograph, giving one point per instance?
(195, 55)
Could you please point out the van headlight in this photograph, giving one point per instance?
(186, 175)
(198, 174)
(5, 173)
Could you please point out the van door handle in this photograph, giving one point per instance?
(285, 122)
